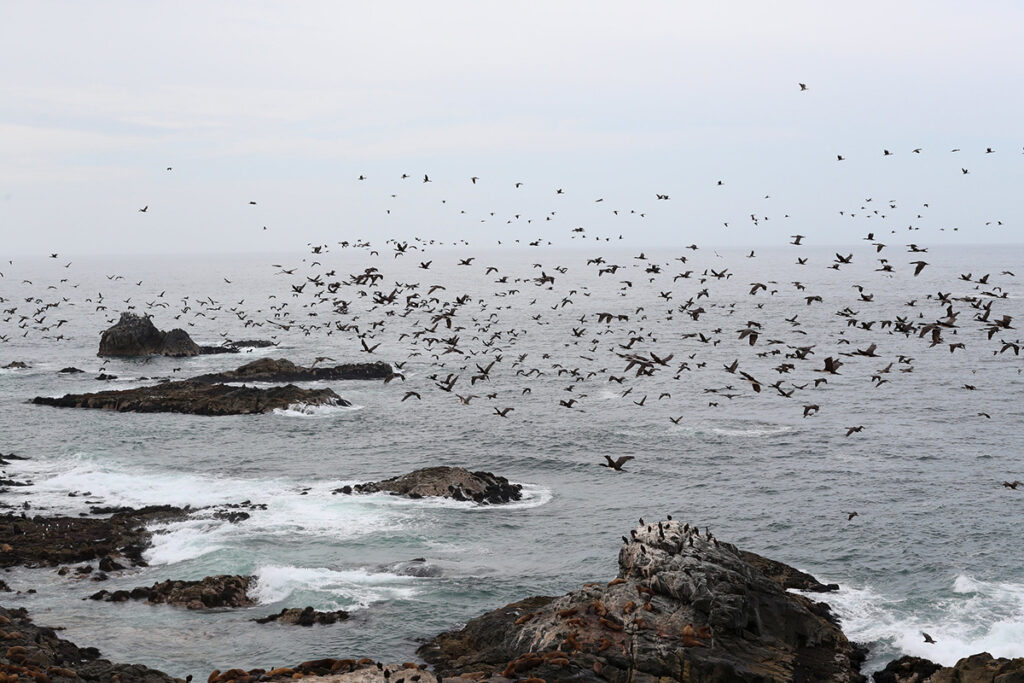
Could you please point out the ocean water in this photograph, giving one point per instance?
(934, 547)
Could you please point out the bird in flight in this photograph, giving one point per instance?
(803, 86)
(617, 463)
(928, 638)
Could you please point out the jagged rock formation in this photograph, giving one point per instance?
(684, 607)
(445, 482)
(281, 370)
(225, 590)
(34, 653)
(196, 398)
(51, 541)
(979, 668)
(135, 335)
(304, 616)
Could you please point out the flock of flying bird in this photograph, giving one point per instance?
(644, 327)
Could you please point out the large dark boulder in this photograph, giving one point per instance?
(282, 370)
(447, 482)
(196, 398)
(304, 616)
(225, 590)
(906, 669)
(683, 608)
(136, 335)
(35, 653)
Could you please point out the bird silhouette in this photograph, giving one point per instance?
(617, 463)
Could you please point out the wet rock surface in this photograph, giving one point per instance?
(35, 653)
(445, 482)
(330, 670)
(282, 370)
(225, 590)
(303, 616)
(16, 365)
(196, 398)
(684, 607)
(135, 335)
(51, 541)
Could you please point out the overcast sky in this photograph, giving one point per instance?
(287, 104)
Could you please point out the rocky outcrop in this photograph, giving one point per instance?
(196, 398)
(16, 365)
(445, 482)
(52, 541)
(331, 670)
(979, 668)
(225, 590)
(281, 370)
(684, 607)
(136, 335)
(237, 346)
(304, 616)
(35, 653)
(786, 576)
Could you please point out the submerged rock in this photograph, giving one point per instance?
(16, 365)
(683, 608)
(225, 590)
(304, 616)
(52, 541)
(136, 335)
(282, 370)
(447, 482)
(415, 567)
(196, 398)
(35, 653)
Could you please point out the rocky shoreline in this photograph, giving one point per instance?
(683, 606)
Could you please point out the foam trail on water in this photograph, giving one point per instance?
(347, 588)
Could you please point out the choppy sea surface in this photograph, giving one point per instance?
(935, 546)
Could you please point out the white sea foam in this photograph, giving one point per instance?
(349, 588)
(292, 510)
(980, 617)
(306, 410)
